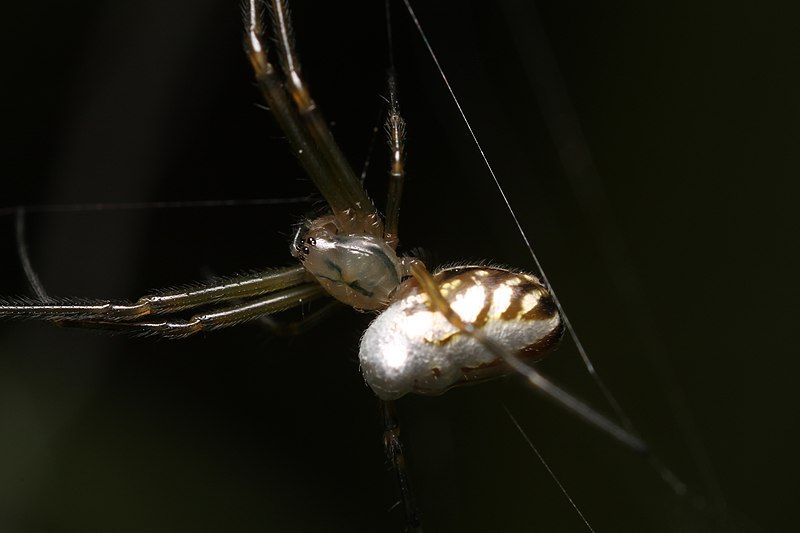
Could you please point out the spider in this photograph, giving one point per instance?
(308, 238)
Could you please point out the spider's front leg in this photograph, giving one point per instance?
(255, 294)
(301, 120)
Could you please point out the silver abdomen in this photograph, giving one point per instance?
(410, 348)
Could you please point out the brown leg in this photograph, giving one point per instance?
(303, 124)
(396, 131)
(163, 303)
(299, 327)
(396, 458)
(215, 319)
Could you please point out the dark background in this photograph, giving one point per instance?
(691, 115)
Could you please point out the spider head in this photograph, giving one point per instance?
(301, 244)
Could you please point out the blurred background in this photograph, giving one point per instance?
(670, 236)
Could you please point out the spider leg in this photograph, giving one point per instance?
(394, 454)
(396, 132)
(108, 311)
(303, 123)
(540, 383)
(314, 123)
(271, 85)
(298, 327)
(211, 320)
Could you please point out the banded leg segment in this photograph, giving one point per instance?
(228, 316)
(361, 207)
(163, 303)
(396, 133)
(302, 122)
(271, 84)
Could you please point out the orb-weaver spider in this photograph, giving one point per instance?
(105, 318)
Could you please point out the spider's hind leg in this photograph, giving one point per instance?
(301, 326)
(393, 447)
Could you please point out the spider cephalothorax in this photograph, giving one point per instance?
(358, 269)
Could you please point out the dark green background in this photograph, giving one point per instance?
(691, 114)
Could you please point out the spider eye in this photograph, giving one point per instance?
(305, 250)
(312, 241)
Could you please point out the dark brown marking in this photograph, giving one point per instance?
(519, 292)
(545, 309)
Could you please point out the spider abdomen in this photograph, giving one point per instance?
(410, 348)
